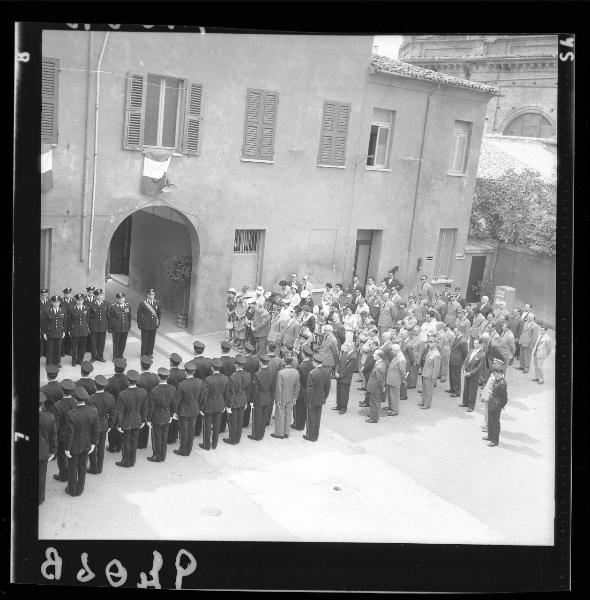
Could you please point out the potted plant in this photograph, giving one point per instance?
(179, 270)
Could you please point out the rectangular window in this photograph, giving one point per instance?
(247, 258)
(247, 241)
(445, 253)
(46, 258)
(461, 141)
(162, 107)
(380, 138)
(49, 97)
(335, 120)
(260, 125)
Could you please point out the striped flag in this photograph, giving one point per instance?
(46, 168)
(155, 166)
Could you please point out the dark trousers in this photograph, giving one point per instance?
(455, 379)
(78, 349)
(97, 340)
(129, 446)
(211, 424)
(375, 406)
(173, 431)
(119, 342)
(314, 414)
(247, 411)
(143, 437)
(300, 414)
(235, 421)
(223, 423)
(115, 440)
(494, 425)
(53, 355)
(160, 441)
(198, 425)
(43, 344)
(186, 430)
(516, 351)
(148, 338)
(77, 473)
(260, 416)
(66, 345)
(261, 343)
(62, 460)
(342, 394)
(97, 457)
(42, 478)
(88, 343)
(403, 390)
(470, 386)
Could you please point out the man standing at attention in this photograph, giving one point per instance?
(98, 325)
(202, 371)
(132, 406)
(376, 386)
(189, 393)
(214, 401)
(263, 391)
(318, 388)
(162, 407)
(300, 412)
(53, 321)
(67, 303)
(541, 350)
(79, 329)
(496, 402)
(344, 371)
(176, 376)
(287, 391)
(47, 443)
(147, 381)
(62, 409)
(429, 372)
(472, 365)
(458, 354)
(527, 340)
(107, 415)
(396, 373)
(119, 323)
(261, 328)
(240, 382)
(148, 320)
(117, 383)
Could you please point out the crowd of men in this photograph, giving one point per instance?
(290, 349)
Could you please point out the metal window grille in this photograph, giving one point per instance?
(247, 241)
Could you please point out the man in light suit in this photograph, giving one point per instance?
(541, 350)
(260, 328)
(286, 393)
(291, 331)
(328, 351)
(527, 340)
(472, 366)
(376, 386)
(429, 372)
(343, 374)
(386, 315)
(425, 290)
(396, 373)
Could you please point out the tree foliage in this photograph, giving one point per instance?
(518, 209)
(179, 269)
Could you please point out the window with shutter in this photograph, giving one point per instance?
(134, 113)
(49, 98)
(461, 142)
(444, 253)
(335, 120)
(260, 125)
(192, 120)
(380, 138)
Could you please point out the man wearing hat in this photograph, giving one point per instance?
(215, 399)
(303, 369)
(104, 403)
(376, 386)
(52, 389)
(229, 366)
(67, 303)
(47, 442)
(117, 383)
(456, 359)
(81, 439)
(240, 382)
(188, 398)
(343, 374)
(148, 321)
(53, 326)
(251, 366)
(176, 376)
(162, 407)
(98, 325)
(202, 371)
(44, 304)
(85, 381)
(132, 409)
(328, 351)
(146, 381)
(261, 328)
(429, 370)
(78, 327)
(472, 370)
(88, 301)
(62, 408)
(119, 324)
(318, 388)
(498, 397)
(287, 392)
(263, 391)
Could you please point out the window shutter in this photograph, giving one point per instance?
(335, 120)
(254, 101)
(269, 119)
(135, 111)
(192, 119)
(49, 97)
(341, 134)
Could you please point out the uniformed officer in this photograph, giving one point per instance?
(318, 388)
(188, 399)
(162, 407)
(119, 323)
(300, 411)
(214, 402)
(81, 440)
(117, 383)
(67, 303)
(52, 389)
(53, 326)
(47, 442)
(86, 381)
(148, 320)
(251, 365)
(44, 304)
(263, 384)
(78, 326)
(176, 376)
(88, 300)
(104, 403)
(240, 382)
(98, 325)
(132, 404)
(62, 408)
(146, 381)
(202, 371)
(229, 367)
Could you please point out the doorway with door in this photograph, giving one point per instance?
(367, 253)
(476, 273)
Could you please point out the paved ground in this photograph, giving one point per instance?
(422, 476)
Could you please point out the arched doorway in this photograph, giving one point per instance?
(528, 122)
(138, 251)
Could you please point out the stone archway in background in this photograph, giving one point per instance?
(539, 121)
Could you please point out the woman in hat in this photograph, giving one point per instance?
(231, 312)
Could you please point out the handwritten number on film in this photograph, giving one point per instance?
(569, 43)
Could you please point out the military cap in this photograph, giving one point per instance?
(79, 297)
(317, 358)
(216, 363)
(282, 282)
(248, 346)
(241, 359)
(267, 294)
(81, 393)
(150, 291)
(120, 363)
(498, 362)
(175, 358)
(55, 299)
(145, 360)
(87, 366)
(101, 380)
(264, 358)
(52, 369)
(225, 345)
(44, 291)
(198, 344)
(163, 372)
(67, 385)
(133, 376)
(67, 290)
(307, 351)
(232, 290)
(189, 365)
(120, 295)
(90, 288)
(97, 291)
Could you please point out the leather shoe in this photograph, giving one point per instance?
(228, 441)
(454, 395)
(492, 444)
(342, 412)
(176, 451)
(462, 405)
(101, 359)
(58, 478)
(425, 407)
(335, 408)
(68, 491)
(274, 435)
(469, 409)
(370, 421)
(286, 436)
(364, 389)
(153, 459)
(487, 439)
(90, 472)
(535, 379)
(204, 447)
(448, 391)
(251, 437)
(122, 464)
(308, 439)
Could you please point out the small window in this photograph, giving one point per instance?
(247, 241)
(461, 142)
(444, 253)
(529, 125)
(380, 138)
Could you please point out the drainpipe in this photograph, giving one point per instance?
(97, 96)
(86, 149)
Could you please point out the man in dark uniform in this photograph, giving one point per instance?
(460, 298)
(132, 406)
(162, 406)
(82, 438)
(62, 408)
(88, 301)
(300, 410)
(53, 325)
(214, 402)
(263, 384)
(85, 381)
(176, 376)
(104, 403)
(229, 367)
(44, 304)
(188, 400)
(148, 320)
(240, 382)
(119, 323)
(458, 353)
(497, 401)
(117, 383)
(251, 365)
(275, 364)
(67, 302)
(202, 371)
(146, 381)
(99, 310)
(52, 389)
(47, 442)
(78, 329)
(318, 388)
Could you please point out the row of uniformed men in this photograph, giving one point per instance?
(206, 394)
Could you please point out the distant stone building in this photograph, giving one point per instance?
(523, 67)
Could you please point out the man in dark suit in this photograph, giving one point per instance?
(148, 320)
(214, 401)
(229, 366)
(132, 407)
(67, 303)
(44, 304)
(176, 376)
(52, 389)
(251, 365)
(240, 382)
(356, 285)
(119, 324)
(62, 409)
(472, 370)
(47, 442)
(104, 403)
(117, 383)
(344, 371)
(78, 324)
(318, 388)
(300, 411)
(515, 323)
(202, 371)
(53, 326)
(162, 407)
(457, 357)
(85, 381)
(81, 439)
(188, 399)
(99, 324)
(146, 381)
(88, 301)
(263, 384)
(460, 298)
(497, 401)
(485, 307)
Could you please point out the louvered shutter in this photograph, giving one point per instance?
(269, 119)
(335, 120)
(260, 124)
(134, 112)
(253, 103)
(49, 97)
(341, 133)
(192, 119)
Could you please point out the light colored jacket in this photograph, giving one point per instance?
(529, 333)
(329, 351)
(290, 333)
(477, 327)
(396, 372)
(376, 381)
(431, 367)
(543, 346)
(387, 315)
(288, 385)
